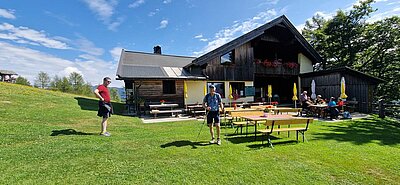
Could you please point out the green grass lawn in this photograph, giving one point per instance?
(52, 138)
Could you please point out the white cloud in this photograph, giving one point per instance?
(113, 25)
(204, 40)
(28, 63)
(102, 8)
(382, 15)
(151, 14)
(324, 15)
(105, 10)
(238, 28)
(167, 1)
(163, 24)
(116, 53)
(69, 70)
(30, 36)
(136, 4)
(198, 36)
(8, 14)
(87, 46)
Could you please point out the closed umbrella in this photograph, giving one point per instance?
(270, 93)
(294, 95)
(230, 95)
(343, 89)
(313, 95)
(205, 89)
(185, 89)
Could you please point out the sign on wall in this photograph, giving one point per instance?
(249, 91)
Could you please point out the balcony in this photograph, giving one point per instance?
(277, 68)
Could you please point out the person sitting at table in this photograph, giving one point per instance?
(320, 100)
(332, 108)
(340, 104)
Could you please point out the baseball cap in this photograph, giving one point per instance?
(211, 87)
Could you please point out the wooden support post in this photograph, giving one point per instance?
(381, 108)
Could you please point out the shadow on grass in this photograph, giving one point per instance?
(68, 132)
(258, 142)
(363, 131)
(183, 143)
(93, 105)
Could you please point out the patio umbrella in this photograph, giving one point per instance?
(270, 93)
(343, 89)
(313, 95)
(294, 95)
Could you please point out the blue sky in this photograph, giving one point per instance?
(86, 36)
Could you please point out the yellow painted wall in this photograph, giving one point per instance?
(305, 64)
(195, 92)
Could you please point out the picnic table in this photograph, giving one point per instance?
(164, 108)
(318, 109)
(278, 110)
(271, 117)
(196, 109)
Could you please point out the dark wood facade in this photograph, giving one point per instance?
(242, 69)
(152, 91)
(359, 87)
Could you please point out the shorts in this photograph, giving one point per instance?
(213, 116)
(105, 109)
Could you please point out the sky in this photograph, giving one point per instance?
(87, 36)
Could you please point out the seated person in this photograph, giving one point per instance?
(307, 106)
(332, 108)
(320, 100)
(340, 103)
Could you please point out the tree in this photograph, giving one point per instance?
(42, 80)
(114, 95)
(382, 57)
(65, 85)
(23, 81)
(348, 40)
(76, 81)
(340, 38)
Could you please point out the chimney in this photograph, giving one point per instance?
(157, 50)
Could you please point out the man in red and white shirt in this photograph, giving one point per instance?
(105, 107)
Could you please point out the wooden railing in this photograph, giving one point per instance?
(386, 109)
(279, 69)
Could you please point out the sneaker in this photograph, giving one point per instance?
(218, 142)
(107, 134)
(212, 141)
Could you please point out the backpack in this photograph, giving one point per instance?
(346, 115)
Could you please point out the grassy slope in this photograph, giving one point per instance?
(352, 152)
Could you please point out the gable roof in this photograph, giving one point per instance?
(253, 34)
(139, 65)
(347, 70)
(7, 72)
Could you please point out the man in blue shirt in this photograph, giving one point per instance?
(211, 103)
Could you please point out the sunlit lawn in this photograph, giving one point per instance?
(52, 138)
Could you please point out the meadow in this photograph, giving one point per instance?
(50, 137)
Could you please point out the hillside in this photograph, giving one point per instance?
(52, 138)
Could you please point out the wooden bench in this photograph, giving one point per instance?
(287, 110)
(155, 112)
(274, 126)
(241, 123)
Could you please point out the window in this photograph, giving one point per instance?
(237, 89)
(219, 88)
(228, 58)
(169, 87)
